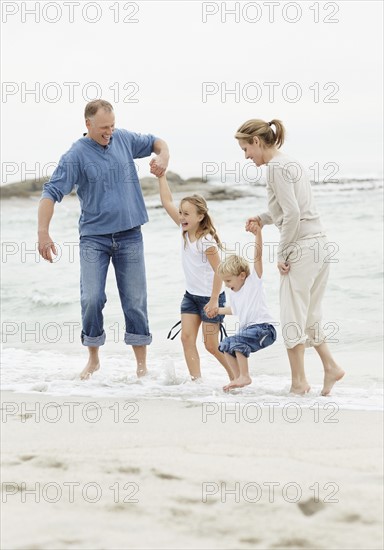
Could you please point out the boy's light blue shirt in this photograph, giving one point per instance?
(105, 180)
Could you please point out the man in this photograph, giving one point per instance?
(100, 166)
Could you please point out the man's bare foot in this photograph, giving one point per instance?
(239, 382)
(330, 378)
(300, 389)
(90, 368)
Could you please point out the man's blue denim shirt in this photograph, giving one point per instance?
(106, 182)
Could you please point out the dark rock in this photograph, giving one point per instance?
(149, 186)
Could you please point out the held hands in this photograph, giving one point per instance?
(46, 246)
(250, 221)
(211, 309)
(253, 227)
(158, 166)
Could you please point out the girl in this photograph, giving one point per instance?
(200, 258)
(301, 254)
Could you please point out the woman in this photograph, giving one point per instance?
(302, 251)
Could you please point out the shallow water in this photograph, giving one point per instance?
(41, 311)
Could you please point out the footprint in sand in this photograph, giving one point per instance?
(24, 417)
(293, 543)
(250, 540)
(132, 507)
(354, 518)
(310, 507)
(179, 512)
(26, 458)
(128, 470)
(185, 500)
(123, 470)
(50, 462)
(162, 475)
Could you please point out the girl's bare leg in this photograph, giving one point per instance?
(211, 333)
(190, 324)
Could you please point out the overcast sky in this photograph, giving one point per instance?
(169, 69)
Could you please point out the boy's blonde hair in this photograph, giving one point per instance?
(233, 265)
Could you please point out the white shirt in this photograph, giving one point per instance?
(197, 269)
(249, 303)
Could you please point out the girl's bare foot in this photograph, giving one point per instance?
(331, 376)
(90, 368)
(141, 371)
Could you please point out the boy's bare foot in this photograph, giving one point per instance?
(300, 389)
(239, 382)
(331, 376)
(90, 368)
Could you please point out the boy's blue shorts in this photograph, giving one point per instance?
(249, 339)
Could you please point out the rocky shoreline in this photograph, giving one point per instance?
(149, 185)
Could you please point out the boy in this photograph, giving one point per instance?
(248, 302)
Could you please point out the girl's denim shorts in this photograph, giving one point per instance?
(249, 339)
(195, 304)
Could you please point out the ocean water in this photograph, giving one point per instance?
(41, 323)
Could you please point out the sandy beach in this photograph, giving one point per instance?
(115, 474)
(164, 462)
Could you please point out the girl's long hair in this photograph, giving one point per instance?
(206, 226)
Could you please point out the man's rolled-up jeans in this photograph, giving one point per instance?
(127, 253)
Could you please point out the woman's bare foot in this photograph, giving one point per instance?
(300, 389)
(331, 376)
(90, 368)
(239, 382)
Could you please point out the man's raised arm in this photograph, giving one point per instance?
(159, 164)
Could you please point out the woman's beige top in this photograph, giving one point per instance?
(291, 204)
